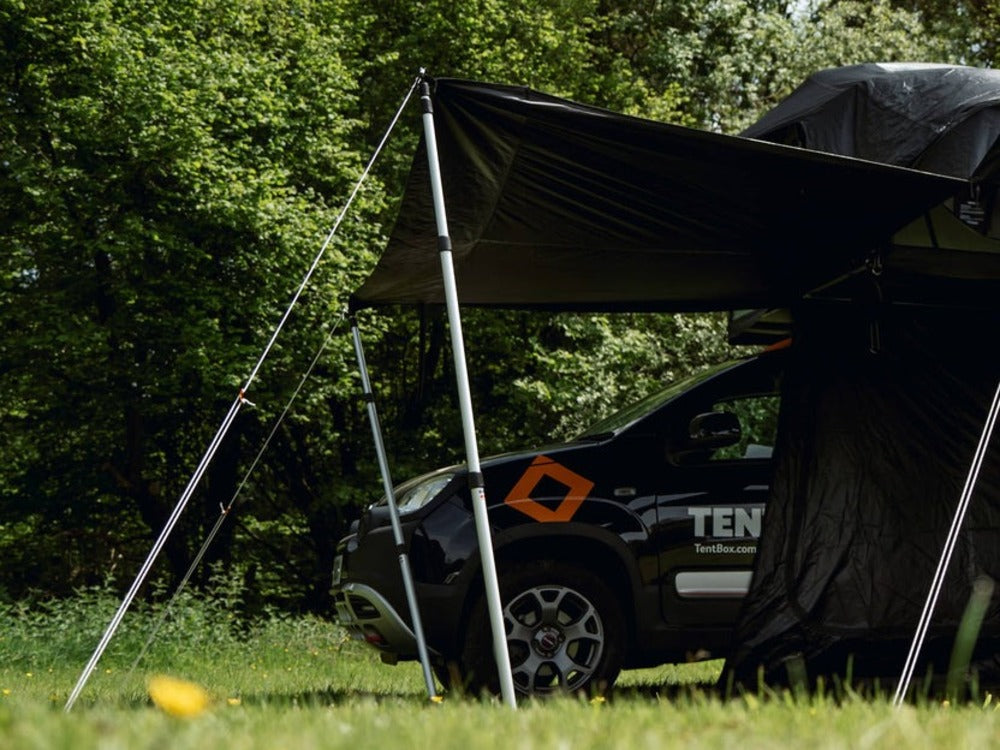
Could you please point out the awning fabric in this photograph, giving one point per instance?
(556, 205)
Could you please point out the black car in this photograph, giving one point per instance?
(630, 546)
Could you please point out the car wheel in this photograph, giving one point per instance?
(565, 632)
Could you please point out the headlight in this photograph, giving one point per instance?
(419, 495)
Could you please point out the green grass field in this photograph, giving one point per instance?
(299, 683)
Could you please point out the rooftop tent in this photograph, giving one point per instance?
(943, 119)
(557, 205)
(937, 118)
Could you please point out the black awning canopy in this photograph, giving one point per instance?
(556, 205)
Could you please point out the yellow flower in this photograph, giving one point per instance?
(177, 697)
(233, 701)
(6, 691)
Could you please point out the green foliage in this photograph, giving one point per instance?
(722, 64)
(585, 366)
(167, 174)
(171, 631)
(968, 29)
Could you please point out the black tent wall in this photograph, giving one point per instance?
(873, 454)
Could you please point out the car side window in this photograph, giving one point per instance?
(758, 418)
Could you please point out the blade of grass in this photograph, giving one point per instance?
(966, 637)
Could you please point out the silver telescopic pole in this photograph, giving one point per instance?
(491, 585)
(397, 531)
(161, 540)
(949, 547)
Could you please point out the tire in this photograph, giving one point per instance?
(565, 632)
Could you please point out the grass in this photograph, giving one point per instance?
(299, 683)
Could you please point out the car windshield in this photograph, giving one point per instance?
(621, 419)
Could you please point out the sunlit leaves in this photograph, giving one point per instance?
(170, 171)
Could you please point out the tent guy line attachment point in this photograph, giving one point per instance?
(225, 509)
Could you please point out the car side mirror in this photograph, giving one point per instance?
(712, 430)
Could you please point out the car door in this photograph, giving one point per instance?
(715, 483)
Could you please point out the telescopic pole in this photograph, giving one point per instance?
(949, 547)
(476, 488)
(397, 531)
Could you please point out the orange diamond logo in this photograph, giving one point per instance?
(577, 490)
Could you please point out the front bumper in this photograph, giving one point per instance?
(369, 596)
(368, 591)
(369, 617)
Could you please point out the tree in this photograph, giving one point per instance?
(969, 30)
(720, 65)
(167, 176)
